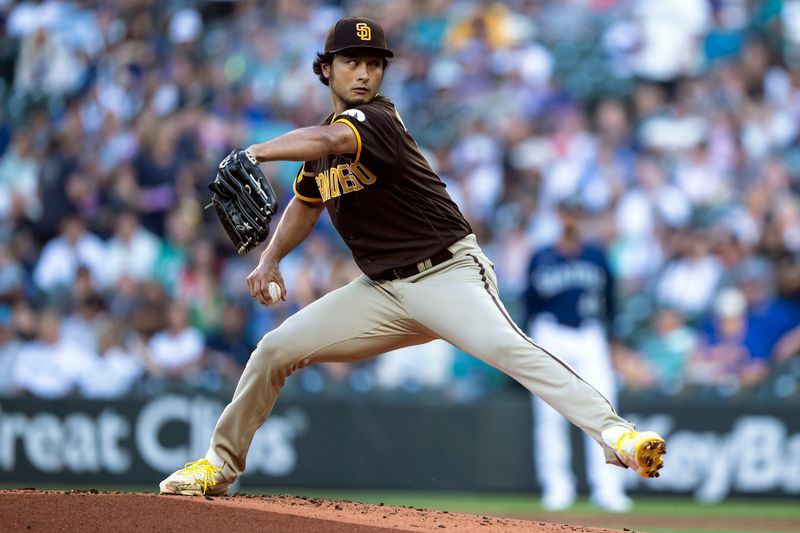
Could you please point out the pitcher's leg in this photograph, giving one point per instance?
(354, 322)
(460, 304)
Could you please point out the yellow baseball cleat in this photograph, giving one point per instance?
(197, 478)
(642, 451)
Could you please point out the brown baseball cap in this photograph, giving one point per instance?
(356, 32)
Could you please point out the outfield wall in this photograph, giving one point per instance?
(364, 442)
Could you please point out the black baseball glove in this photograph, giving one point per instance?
(244, 200)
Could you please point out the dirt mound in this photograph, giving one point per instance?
(34, 510)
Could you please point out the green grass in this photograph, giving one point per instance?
(734, 508)
(526, 505)
(793, 529)
(523, 505)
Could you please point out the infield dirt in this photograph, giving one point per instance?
(86, 511)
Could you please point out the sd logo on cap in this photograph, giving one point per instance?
(363, 31)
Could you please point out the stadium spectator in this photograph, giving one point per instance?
(724, 357)
(689, 280)
(769, 316)
(228, 344)
(174, 252)
(665, 349)
(61, 257)
(49, 366)
(9, 351)
(669, 34)
(198, 286)
(157, 167)
(46, 67)
(19, 179)
(131, 252)
(175, 351)
(87, 322)
(115, 371)
(426, 366)
(13, 282)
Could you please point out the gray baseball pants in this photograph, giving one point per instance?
(456, 301)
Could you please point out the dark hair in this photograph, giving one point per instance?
(322, 58)
(328, 59)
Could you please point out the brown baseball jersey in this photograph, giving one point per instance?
(385, 201)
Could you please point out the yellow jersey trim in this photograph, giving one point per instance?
(294, 186)
(304, 198)
(358, 136)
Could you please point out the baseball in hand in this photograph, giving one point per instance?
(274, 293)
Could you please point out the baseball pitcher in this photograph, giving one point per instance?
(424, 275)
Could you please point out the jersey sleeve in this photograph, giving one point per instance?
(532, 305)
(610, 298)
(376, 127)
(305, 186)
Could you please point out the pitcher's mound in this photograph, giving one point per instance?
(34, 510)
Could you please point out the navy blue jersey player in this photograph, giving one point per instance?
(569, 304)
(573, 285)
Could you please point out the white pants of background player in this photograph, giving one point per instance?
(585, 349)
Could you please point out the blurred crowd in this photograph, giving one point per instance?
(674, 123)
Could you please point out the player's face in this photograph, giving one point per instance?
(570, 219)
(355, 76)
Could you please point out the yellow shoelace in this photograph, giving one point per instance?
(630, 434)
(202, 466)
